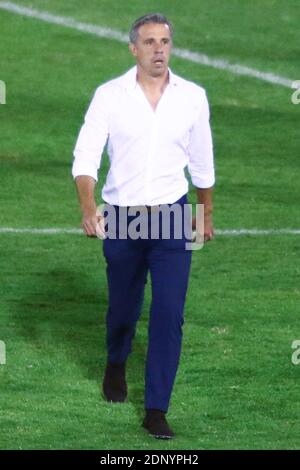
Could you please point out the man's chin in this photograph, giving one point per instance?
(159, 71)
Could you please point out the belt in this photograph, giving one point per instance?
(141, 209)
(135, 209)
(144, 208)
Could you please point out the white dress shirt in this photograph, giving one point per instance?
(148, 150)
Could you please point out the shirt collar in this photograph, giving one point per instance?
(130, 81)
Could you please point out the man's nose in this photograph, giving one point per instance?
(158, 48)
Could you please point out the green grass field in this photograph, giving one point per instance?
(236, 387)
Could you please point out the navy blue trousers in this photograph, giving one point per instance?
(128, 263)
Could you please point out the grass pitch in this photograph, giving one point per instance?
(236, 387)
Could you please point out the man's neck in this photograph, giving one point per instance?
(152, 83)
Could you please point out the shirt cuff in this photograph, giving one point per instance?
(203, 181)
(79, 169)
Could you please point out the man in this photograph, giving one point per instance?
(155, 124)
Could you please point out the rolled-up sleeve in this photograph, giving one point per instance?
(200, 148)
(92, 138)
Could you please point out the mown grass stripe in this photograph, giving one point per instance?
(108, 33)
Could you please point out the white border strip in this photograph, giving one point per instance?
(109, 33)
(77, 231)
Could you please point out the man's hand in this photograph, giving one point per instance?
(204, 196)
(93, 224)
(207, 230)
(92, 218)
(89, 223)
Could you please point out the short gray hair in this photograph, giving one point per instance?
(156, 18)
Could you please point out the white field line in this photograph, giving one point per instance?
(109, 33)
(196, 57)
(78, 231)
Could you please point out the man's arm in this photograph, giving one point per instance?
(85, 188)
(204, 196)
(201, 165)
(88, 151)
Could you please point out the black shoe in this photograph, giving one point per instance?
(155, 422)
(114, 383)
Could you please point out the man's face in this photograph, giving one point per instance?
(152, 48)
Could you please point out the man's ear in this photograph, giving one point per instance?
(132, 49)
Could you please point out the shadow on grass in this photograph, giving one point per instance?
(62, 312)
